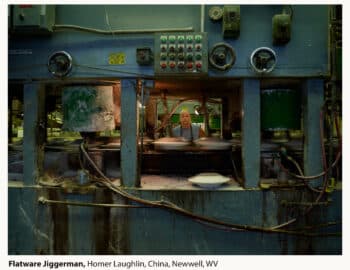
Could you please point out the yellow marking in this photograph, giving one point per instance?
(117, 58)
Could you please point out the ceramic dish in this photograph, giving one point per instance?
(209, 180)
(213, 144)
(168, 143)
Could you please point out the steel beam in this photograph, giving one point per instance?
(251, 132)
(313, 98)
(129, 134)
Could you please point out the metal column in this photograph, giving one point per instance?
(313, 99)
(34, 131)
(80, 226)
(129, 134)
(251, 132)
(30, 237)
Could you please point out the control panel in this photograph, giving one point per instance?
(33, 19)
(181, 54)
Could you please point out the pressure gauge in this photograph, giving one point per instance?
(59, 64)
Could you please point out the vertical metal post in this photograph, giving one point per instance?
(34, 132)
(129, 134)
(30, 241)
(10, 116)
(251, 132)
(80, 226)
(312, 102)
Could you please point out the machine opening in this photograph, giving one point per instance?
(190, 134)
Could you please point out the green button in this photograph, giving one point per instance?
(181, 39)
(198, 38)
(198, 56)
(163, 56)
(163, 39)
(172, 56)
(189, 57)
(189, 39)
(172, 39)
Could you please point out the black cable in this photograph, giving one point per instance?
(171, 206)
(235, 172)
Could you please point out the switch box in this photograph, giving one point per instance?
(33, 19)
(144, 56)
(231, 21)
(281, 28)
(184, 54)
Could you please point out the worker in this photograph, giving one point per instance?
(187, 129)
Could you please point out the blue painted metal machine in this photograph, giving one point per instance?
(102, 187)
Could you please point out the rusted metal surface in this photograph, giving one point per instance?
(60, 221)
(119, 242)
(62, 229)
(102, 226)
(88, 108)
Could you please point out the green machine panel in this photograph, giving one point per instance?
(280, 109)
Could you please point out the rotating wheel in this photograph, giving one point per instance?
(59, 64)
(222, 56)
(263, 60)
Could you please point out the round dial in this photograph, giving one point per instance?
(222, 56)
(60, 64)
(263, 60)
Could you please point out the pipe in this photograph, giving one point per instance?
(142, 119)
(206, 116)
(168, 128)
(113, 70)
(202, 17)
(43, 200)
(300, 171)
(201, 219)
(58, 27)
(333, 88)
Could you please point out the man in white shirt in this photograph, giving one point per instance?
(187, 129)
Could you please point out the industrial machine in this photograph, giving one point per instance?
(93, 99)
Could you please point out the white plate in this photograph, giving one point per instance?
(213, 144)
(170, 143)
(209, 180)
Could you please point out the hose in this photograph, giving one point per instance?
(326, 170)
(171, 206)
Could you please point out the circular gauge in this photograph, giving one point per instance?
(60, 64)
(263, 60)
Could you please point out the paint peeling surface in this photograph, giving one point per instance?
(58, 228)
(88, 108)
